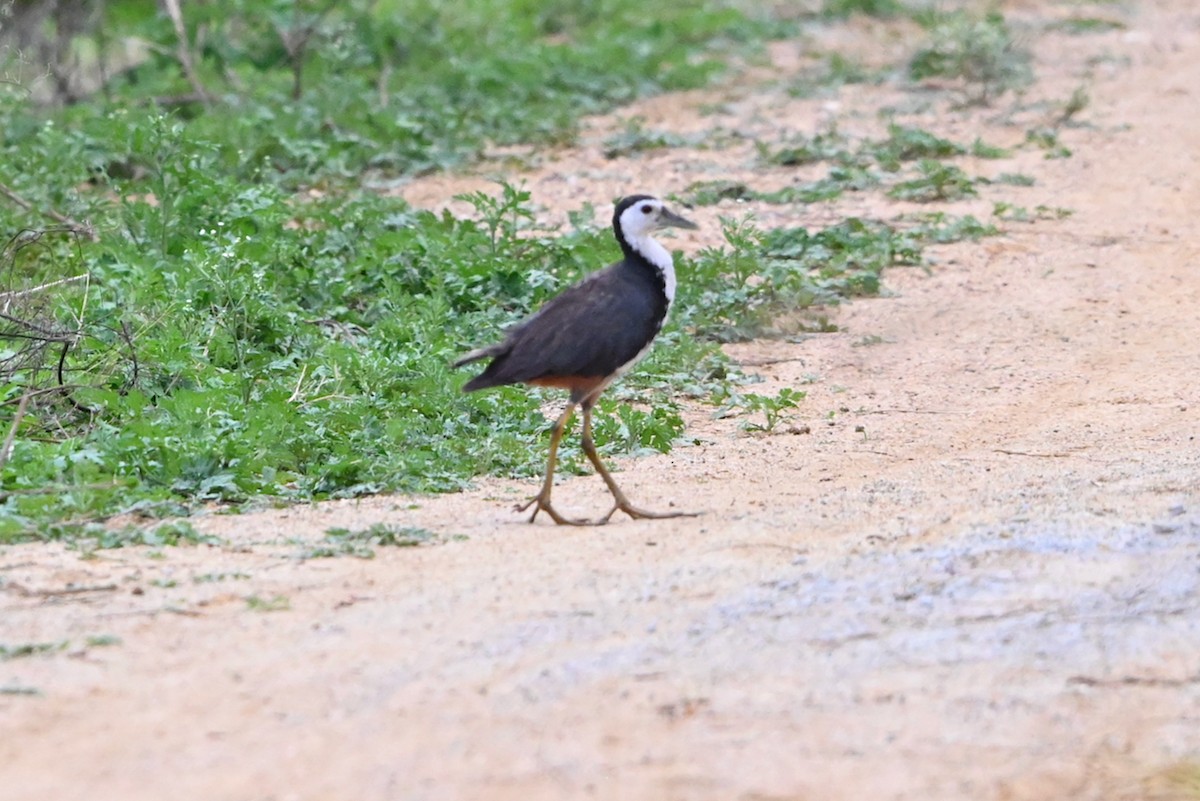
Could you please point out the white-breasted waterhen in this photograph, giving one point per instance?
(583, 339)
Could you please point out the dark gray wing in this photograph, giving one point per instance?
(591, 330)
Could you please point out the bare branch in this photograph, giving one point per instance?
(75, 227)
(184, 50)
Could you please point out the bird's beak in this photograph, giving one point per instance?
(670, 218)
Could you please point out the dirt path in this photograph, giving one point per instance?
(977, 578)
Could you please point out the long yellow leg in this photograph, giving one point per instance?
(622, 503)
(541, 501)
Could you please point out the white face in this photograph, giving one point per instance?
(640, 219)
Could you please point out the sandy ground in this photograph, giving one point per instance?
(977, 577)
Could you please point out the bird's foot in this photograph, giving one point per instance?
(540, 504)
(628, 508)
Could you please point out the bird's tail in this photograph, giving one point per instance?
(477, 354)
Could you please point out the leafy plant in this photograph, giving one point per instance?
(982, 53)
(276, 603)
(873, 8)
(910, 144)
(772, 408)
(361, 543)
(827, 145)
(937, 180)
(29, 649)
(636, 138)
(1047, 139)
(234, 311)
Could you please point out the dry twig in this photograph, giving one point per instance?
(74, 226)
(185, 51)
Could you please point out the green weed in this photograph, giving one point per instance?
(1002, 210)
(834, 70)
(982, 150)
(1014, 179)
(636, 138)
(102, 641)
(205, 578)
(936, 180)
(237, 317)
(1085, 25)
(944, 228)
(875, 8)
(981, 53)
(773, 409)
(276, 603)
(1047, 139)
(911, 144)
(8, 652)
(824, 146)
(766, 276)
(361, 543)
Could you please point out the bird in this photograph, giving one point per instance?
(589, 335)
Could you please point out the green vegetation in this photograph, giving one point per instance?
(937, 180)
(276, 603)
(773, 408)
(873, 8)
(757, 286)
(834, 70)
(207, 299)
(29, 649)
(981, 53)
(636, 139)
(361, 543)
(856, 167)
(1086, 25)
(1047, 140)
(1011, 213)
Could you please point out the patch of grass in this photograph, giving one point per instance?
(982, 150)
(839, 180)
(636, 138)
(102, 641)
(206, 578)
(834, 70)
(361, 543)
(400, 86)
(1084, 25)
(1047, 139)
(852, 162)
(276, 603)
(248, 322)
(1009, 212)
(28, 649)
(628, 429)
(936, 180)
(943, 228)
(765, 276)
(910, 144)
(709, 193)
(840, 9)
(772, 408)
(1077, 102)
(827, 145)
(91, 537)
(981, 53)
(1014, 179)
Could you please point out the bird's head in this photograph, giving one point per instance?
(638, 215)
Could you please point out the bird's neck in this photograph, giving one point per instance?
(657, 257)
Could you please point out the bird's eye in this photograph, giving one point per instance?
(647, 209)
